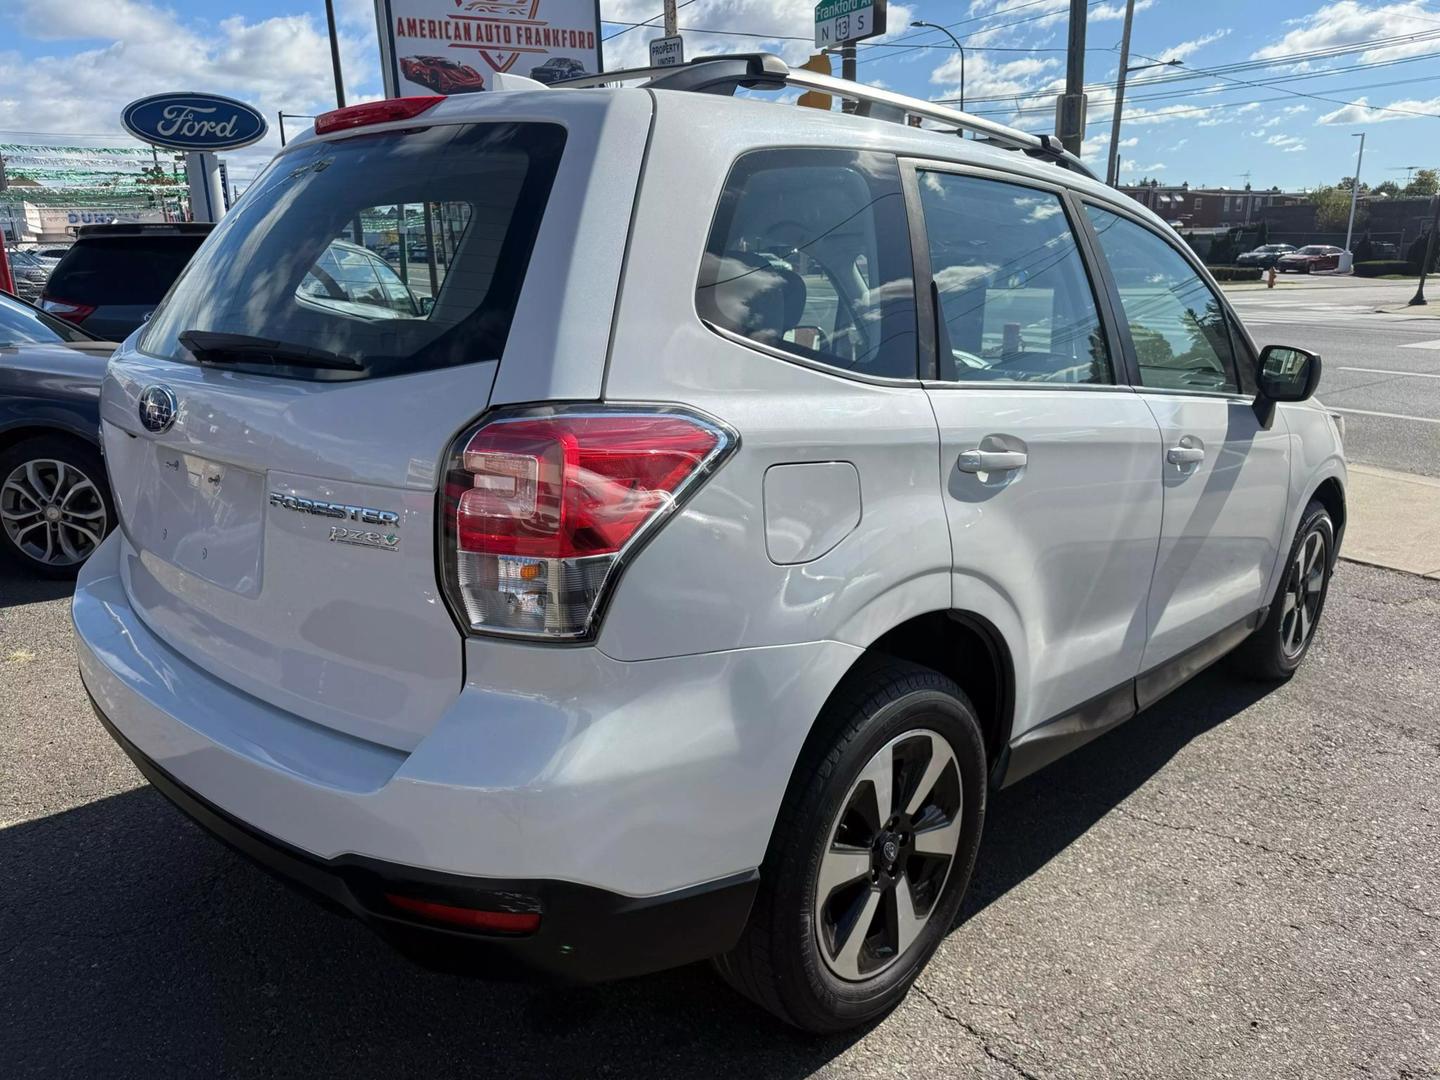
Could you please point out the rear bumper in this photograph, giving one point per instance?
(585, 934)
(634, 800)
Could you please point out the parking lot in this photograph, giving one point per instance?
(1241, 883)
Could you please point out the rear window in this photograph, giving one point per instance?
(392, 252)
(121, 269)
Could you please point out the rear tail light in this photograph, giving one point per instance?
(374, 112)
(67, 309)
(541, 510)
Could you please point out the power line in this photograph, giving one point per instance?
(648, 22)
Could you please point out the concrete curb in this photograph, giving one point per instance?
(1393, 520)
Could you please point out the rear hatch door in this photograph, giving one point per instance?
(275, 435)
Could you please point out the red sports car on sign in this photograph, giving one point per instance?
(442, 75)
(1310, 257)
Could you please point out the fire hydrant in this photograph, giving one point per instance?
(1270, 277)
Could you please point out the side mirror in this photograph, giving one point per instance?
(1288, 373)
(427, 305)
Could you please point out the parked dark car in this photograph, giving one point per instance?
(557, 68)
(113, 275)
(442, 74)
(1309, 258)
(1264, 256)
(55, 504)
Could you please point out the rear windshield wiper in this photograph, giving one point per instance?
(218, 348)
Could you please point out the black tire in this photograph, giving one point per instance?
(777, 962)
(76, 455)
(1270, 653)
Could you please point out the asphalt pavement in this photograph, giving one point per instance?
(1242, 882)
(1381, 369)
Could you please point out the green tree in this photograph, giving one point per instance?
(1332, 207)
(1425, 182)
(1388, 187)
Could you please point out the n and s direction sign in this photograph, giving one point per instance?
(838, 22)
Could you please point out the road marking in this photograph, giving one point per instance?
(1383, 371)
(1423, 345)
(1386, 415)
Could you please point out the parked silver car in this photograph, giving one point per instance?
(759, 489)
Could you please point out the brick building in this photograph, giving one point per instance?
(1209, 208)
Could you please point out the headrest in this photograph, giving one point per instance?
(756, 296)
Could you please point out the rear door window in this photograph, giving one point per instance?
(121, 269)
(1015, 300)
(809, 254)
(396, 251)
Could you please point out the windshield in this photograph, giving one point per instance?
(1314, 249)
(102, 270)
(397, 251)
(21, 324)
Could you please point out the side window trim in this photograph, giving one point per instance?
(1132, 362)
(927, 310)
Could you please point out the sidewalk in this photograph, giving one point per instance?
(1394, 520)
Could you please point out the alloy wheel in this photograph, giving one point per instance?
(888, 855)
(1302, 595)
(52, 512)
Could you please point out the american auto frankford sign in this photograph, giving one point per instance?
(454, 46)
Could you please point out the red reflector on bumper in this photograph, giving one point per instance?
(505, 922)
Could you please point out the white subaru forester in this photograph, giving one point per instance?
(592, 529)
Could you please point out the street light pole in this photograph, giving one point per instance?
(952, 37)
(335, 53)
(1418, 300)
(1112, 167)
(1355, 188)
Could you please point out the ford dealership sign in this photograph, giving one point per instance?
(195, 122)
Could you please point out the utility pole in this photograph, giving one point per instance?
(1112, 168)
(672, 27)
(1072, 108)
(1418, 300)
(1355, 188)
(335, 53)
(847, 71)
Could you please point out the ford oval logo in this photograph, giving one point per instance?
(193, 122)
(158, 407)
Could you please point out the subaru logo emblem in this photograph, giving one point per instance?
(158, 408)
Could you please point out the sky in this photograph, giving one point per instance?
(1295, 78)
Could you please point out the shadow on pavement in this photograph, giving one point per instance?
(131, 943)
(19, 587)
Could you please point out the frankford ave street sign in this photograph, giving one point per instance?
(667, 51)
(195, 122)
(840, 21)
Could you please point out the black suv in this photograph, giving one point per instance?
(113, 276)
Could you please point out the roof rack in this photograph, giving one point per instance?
(765, 71)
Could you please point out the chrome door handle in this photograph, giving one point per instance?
(1185, 455)
(978, 461)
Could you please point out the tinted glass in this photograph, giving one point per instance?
(121, 269)
(1176, 322)
(21, 324)
(810, 253)
(403, 252)
(1015, 301)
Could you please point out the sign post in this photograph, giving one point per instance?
(842, 22)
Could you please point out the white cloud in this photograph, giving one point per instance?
(275, 63)
(1105, 12)
(1362, 112)
(1349, 22)
(985, 77)
(1288, 143)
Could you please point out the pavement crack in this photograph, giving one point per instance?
(975, 1033)
(1307, 861)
